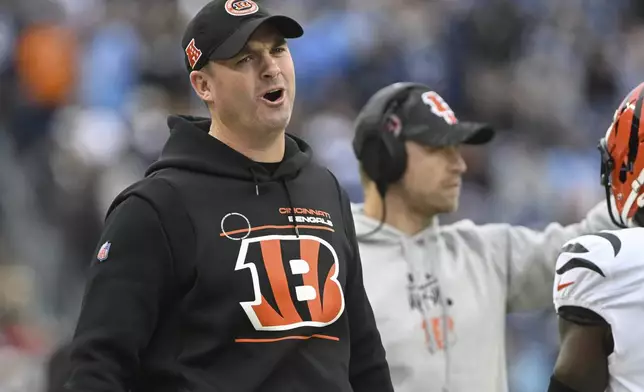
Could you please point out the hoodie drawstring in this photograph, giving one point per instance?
(291, 208)
(417, 271)
(252, 172)
(288, 197)
(444, 314)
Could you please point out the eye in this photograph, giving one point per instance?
(279, 49)
(244, 59)
(432, 149)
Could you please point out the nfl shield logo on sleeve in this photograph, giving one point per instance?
(104, 251)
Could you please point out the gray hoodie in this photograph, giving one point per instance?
(463, 279)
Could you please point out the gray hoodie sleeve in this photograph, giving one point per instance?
(526, 258)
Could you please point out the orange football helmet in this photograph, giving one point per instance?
(622, 168)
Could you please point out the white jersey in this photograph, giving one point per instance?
(604, 272)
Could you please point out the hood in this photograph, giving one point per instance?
(386, 234)
(190, 147)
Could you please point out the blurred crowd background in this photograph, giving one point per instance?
(86, 85)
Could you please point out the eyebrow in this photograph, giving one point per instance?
(278, 42)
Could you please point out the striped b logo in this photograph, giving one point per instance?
(295, 282)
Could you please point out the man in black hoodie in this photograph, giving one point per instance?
(233, 265)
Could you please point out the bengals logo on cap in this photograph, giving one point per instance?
(241, 7)
(439, 106)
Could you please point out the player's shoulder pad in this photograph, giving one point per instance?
(584, 269)
(585, 272)
(591, 252)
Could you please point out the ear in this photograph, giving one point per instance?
(202, 83)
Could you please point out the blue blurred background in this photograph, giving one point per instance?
(86, 85)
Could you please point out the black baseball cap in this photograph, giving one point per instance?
(421, 116)
(221, 29)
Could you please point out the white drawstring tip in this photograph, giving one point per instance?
(257, 189)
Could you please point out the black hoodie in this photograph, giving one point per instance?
(212, 274)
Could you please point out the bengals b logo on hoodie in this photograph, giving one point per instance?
(294, 281)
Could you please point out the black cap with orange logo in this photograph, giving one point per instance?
(221, 29)
(418, 114)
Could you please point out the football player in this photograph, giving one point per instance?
(599, 281)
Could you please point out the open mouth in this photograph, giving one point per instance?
(274, 95)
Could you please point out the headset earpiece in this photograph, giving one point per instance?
(383, 154)
(384, 160)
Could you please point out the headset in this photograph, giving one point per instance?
(382, 154)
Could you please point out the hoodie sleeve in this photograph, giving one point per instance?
(368, 368)
(527, 257)
(121, 301)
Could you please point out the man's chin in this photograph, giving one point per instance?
(449, 207)
(430, 211)
(277, 121)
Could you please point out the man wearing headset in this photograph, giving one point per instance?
(441, 293)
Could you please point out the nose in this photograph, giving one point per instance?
(458, 162)
(271, 68)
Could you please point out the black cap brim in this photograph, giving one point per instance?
(451, 135)
(288, 27)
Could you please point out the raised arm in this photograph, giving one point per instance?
(527, 257)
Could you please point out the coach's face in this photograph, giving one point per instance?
(432, 182)
(256, 88)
